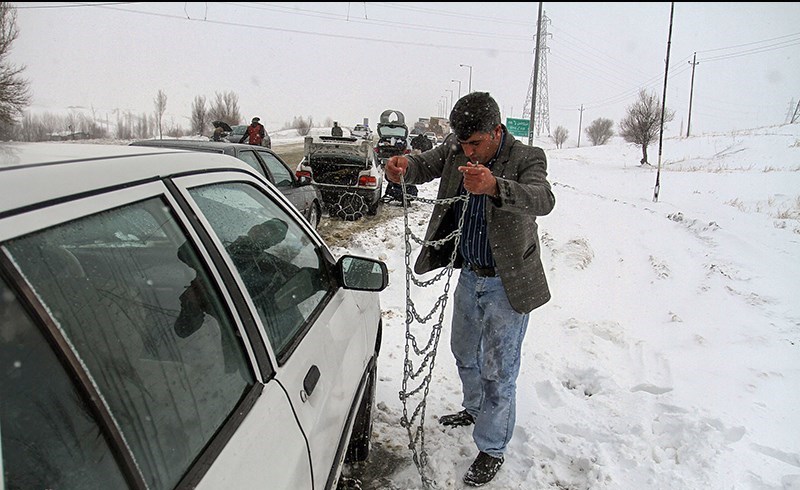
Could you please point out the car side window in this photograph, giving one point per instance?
(280, 173)
(142, 313)
(250, 158)
(49, 437)
(278, 263)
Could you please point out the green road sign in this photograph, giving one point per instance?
(518, 127)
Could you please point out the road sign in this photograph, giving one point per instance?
(518, 127)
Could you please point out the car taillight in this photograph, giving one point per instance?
(303, 173)
(367, 181)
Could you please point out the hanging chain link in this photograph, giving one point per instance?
(420, 377)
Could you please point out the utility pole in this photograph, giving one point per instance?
(580, 123)
(691, 93)
(535, 75)
(663, 104)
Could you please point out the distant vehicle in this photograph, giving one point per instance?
(392, 136)
(169, 321)
(346, 171)
(432, 136)
(266, 162)
(393, 139)
(238, 131)
(361, 131)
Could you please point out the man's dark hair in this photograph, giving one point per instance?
(475, 112)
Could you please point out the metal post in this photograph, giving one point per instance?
(450, 107)
(470, 77)
(691, 93)
(459, 87)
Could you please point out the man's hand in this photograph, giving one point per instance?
(395, 167)
(478, 179)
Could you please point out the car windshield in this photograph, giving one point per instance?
(238, 129)
(392, 131)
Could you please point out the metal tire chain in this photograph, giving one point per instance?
(416, 434)
(348, 209)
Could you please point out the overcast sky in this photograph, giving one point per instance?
(351, 60)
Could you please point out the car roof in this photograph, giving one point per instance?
(32, 173)
(218, 146)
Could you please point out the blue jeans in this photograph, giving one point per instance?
(486, 340)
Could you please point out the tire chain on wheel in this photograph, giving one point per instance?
(350, 207)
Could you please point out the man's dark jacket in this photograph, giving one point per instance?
(524, 194)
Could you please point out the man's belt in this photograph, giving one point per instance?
(482, 271)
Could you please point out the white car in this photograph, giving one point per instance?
(347, 173)
(169, 320)
(361, 131)
(431, 136)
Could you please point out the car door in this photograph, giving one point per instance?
(159, 364)
(315, 330)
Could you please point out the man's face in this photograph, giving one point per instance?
(481, 147)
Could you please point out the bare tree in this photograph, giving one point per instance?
(14, 90)
(643, 122)
(560, 136)
(161, 106)
(302, 126)
(225, 108)
(199, 115)
(600, 131)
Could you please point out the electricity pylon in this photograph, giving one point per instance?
(542, 115)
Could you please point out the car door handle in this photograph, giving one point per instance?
(310, 382)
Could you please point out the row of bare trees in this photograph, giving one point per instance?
(640, 126)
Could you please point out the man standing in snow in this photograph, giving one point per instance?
(502, 278)
(254, 133)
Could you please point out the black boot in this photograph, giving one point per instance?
(482, 469)
(462, 418)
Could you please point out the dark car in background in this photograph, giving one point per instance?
(346, 171)
(300, 191)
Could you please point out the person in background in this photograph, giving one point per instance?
(336, 130)
(255, 133)
(502, 278)
(421, 142)
(219, 134)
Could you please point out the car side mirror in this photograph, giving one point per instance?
(362, 273)
(303, 180)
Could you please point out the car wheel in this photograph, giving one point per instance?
(359, 446)
(351, 207)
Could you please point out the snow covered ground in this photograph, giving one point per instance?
(669, 356)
